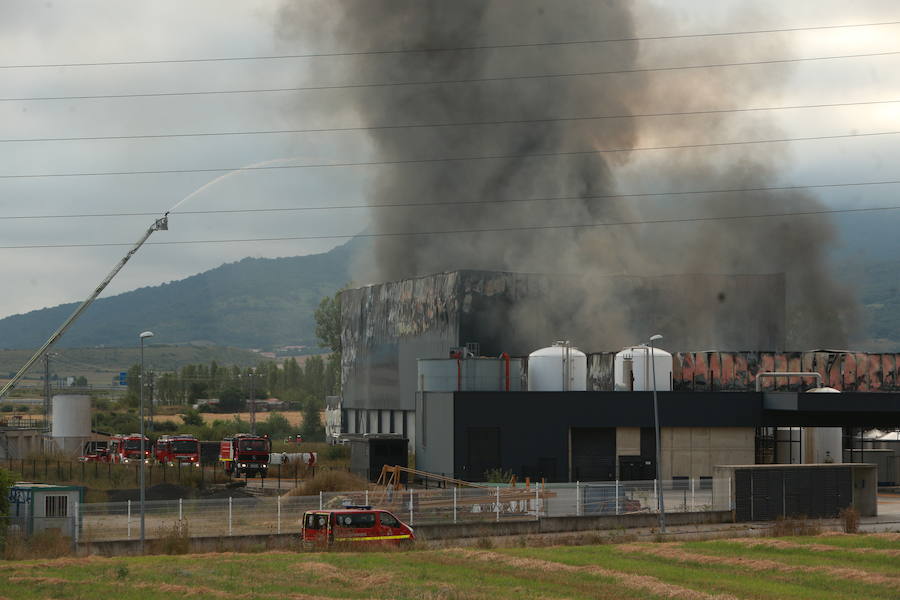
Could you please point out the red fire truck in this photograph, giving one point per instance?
(245, 454)
(354, 524)
(127, 448)
(183, 450)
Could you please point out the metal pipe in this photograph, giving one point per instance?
(788, 374)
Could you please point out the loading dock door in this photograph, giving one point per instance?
(593, 452)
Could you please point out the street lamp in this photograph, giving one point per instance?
(659, 497)
(144, 335)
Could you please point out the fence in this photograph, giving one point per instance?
(280, 476)
(282, 514)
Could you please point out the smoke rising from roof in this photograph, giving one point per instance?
(820, 309)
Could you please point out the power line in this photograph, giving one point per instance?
(386, 84)
(454, 124)
(450, 49)
(468, 231)
(462, 202)
(451, 159)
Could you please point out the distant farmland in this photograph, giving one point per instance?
(836, 567)
(99, 365)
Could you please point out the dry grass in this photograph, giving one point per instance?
(44, 544)
(675, 552)
(793, 526)
(849, 520)
(330, 481)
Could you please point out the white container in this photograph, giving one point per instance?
(557, 368)
(823, 444)
(633, 370)
(71, 422)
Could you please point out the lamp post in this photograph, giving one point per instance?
(144, 335)
(659, 497)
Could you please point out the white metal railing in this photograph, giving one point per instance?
(282, 514)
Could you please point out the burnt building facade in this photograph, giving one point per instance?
(387, 327)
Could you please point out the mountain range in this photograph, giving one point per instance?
(253, 303)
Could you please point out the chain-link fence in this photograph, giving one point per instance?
(282, 514)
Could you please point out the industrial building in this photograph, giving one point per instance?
(448, 362)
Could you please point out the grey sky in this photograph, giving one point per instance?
(62, 32)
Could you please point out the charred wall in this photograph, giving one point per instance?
(386, 327)
(736, 371)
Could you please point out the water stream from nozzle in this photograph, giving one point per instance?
(225, 176)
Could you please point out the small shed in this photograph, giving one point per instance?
(36, 507)
(817, 491)
(371, 451)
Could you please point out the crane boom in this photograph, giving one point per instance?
(161, 224)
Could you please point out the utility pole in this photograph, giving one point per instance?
(47, 391)
(150, 387)
(252, 404)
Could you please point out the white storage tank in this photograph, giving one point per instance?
(633, 370)
(823, 444)
(557, 368)
(71, 421)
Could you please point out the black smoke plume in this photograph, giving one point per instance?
(820, 309)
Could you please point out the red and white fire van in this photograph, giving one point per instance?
(359, 524)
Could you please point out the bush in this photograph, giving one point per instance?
(192, 417)
(849, 517)
(7, 408)
(337, 452)
(791, 526)
(498, 476)
(172, 540)
(330, 481)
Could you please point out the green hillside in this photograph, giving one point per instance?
(253, 303)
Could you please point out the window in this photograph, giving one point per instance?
(388, 520)
(253, 446)
(314, 521)
(184, 446)
(356, 520)
(56, 506)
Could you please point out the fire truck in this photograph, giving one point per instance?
(183, 450)
(126, 449)
(245, 454)
(354, 524)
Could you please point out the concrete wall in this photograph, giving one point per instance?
(19, 443)
(434, 424)
(435, 531)
(694, 451)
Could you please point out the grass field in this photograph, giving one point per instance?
(820, 568)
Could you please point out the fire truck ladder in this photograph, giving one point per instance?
(160, 224)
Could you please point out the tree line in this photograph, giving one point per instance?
(295, 384)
